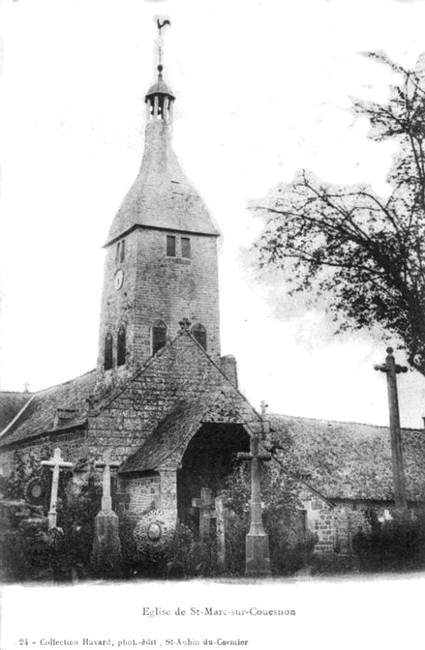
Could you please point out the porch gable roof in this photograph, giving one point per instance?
(181, 424)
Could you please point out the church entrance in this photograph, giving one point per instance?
(208, 461)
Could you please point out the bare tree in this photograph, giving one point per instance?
(366, 255)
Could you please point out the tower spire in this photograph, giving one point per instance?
(161, 263)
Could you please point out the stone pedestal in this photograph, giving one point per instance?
(257, 555)
(106, 543)
(257, 540)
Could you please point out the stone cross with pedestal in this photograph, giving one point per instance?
(257, 561)
(392, 369)
(106, 543)
(56, 464)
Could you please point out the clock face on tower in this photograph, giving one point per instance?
(119, 279)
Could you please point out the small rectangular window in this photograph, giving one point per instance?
(117, 253)
(159, 338)
(122, 251)
(185, 247)
(171, 246)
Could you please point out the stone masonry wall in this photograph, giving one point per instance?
(337, 526)
(180, 372)
(143, 494)
(73, 446)
(158, 287)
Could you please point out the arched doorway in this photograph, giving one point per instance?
(208, 461)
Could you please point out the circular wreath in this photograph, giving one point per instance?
(153, 535)
(36, 491)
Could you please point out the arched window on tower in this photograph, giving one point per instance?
(200, 334)
(121, 346)
(108, 352)
(120, 252)
(159, 336)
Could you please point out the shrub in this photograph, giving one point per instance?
(282, 510)
(391, 546)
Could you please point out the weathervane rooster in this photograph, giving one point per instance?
(161, 25)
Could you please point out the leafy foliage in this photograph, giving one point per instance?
(364, 254)
(76, 517)
(282, 517)
(391, 546)
(26, 468)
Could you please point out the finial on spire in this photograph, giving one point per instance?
(159, 98)
(160, 25)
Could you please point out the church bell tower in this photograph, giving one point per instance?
(161, 255)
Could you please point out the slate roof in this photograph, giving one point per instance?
(178, 425)
(348, 460)
(341, 460)
(39, 415)
(161, 196)
(10, 404)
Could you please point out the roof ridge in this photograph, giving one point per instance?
(17, 416)
(63, 383)
(363, 424)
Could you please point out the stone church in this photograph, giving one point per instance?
(164, 400)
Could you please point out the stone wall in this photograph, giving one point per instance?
(138, 494)
(180, 372)
(159, 287)
(337, 525)
(73, 446)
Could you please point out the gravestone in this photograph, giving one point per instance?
(206, 513)
(221, 534)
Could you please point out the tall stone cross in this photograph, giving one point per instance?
(392, 369)
(55, 464)
(206, 512)
(257, 561)
(107, 464)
